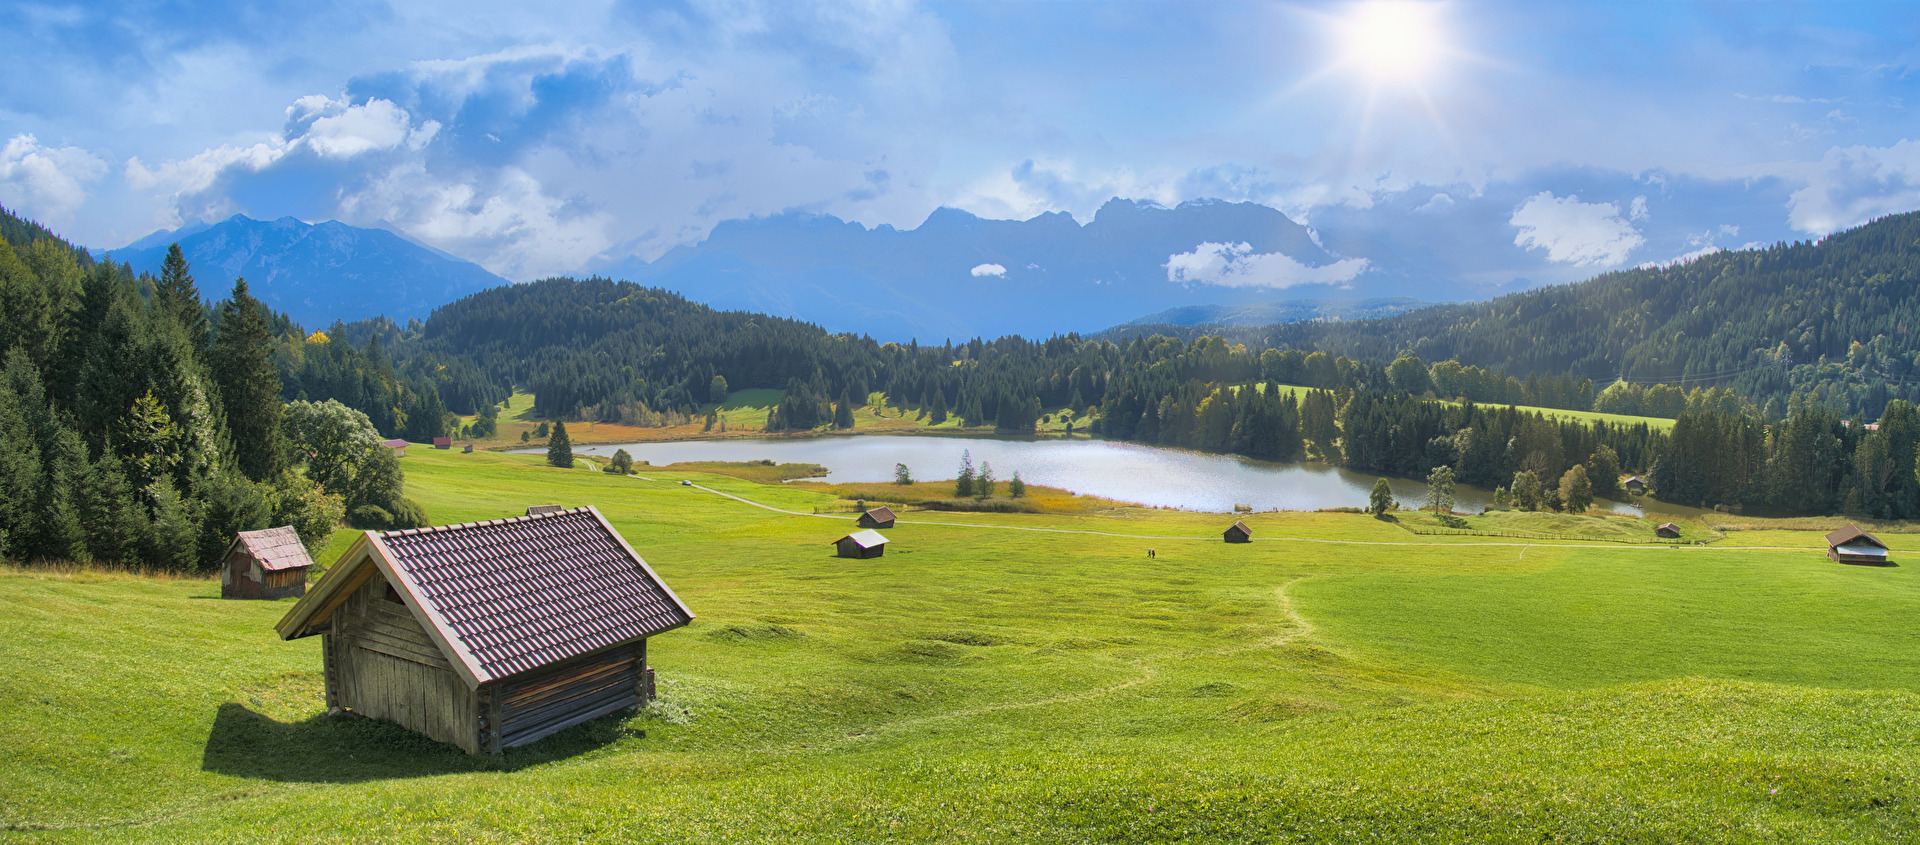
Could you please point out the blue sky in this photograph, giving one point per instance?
(1519, 141)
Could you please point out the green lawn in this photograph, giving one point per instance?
(986, 685)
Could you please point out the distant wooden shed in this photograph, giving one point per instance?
(468, 450)
(398, 446)
(1634, 484)
(1238, 533)
(442, 442)
(861, 544)
(1667, 530)
(488, 635)
(1852, 545)
(266, 564)
(880, 517)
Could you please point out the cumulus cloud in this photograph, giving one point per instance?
(505, 218)
(1853, 185)
(996, 270)
(1585, 234)
(338, 129)
(49, 183)
(1238, 266)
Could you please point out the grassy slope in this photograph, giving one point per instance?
(992, 686)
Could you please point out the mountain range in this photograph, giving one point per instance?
(958, 275)
(954, 276)
(316, 273)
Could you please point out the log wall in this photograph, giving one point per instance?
(387, 667)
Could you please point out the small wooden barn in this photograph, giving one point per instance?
(1852, 545)
(880, 517)
(398, 446)
(861, 544)
(468, 450)
(266, 564)
(1238, 533)
(488, 635)
(1634, 484)
(1667, 530)
(442, 442)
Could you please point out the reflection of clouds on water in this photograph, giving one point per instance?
(1128, 472)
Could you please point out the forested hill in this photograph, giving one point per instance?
(1836, 319)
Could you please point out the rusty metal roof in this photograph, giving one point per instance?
(864, 539)
(509, 595)
(277, 549)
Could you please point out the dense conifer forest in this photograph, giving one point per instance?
(141, 425)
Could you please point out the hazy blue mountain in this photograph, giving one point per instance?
(1286, 311)
(1059, 275)
(317, 273)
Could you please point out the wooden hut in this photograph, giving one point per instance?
(266, 564)
(1238, 533)
(488, 635)
(1634, 484)
(442, 442)
(398, 446)
(1667, 530)
(468, 450)
(1852, 545)
(861, 544)
(880, 517)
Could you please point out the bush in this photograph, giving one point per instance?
(620, 464)
(370, 517)
(408, 513)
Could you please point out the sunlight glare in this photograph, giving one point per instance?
(1392, 40)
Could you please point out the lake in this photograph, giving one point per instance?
(1149, 475)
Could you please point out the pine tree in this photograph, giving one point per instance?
(1016, 488)
(242, 364)
(559, 448)
(983, 483)
(176, 297)
(963, 484)
(843, 415)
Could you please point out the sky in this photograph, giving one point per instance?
(1505, 142)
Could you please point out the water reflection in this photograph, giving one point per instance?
(1149, 475)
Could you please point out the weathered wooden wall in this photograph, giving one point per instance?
(551, 699)
(387, 667)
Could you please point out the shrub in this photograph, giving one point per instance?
(370, 517)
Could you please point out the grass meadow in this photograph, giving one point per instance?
(1026, 678)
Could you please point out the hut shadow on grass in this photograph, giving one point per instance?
(350, 749)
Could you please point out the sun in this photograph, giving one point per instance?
(1392, 41)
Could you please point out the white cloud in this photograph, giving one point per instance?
(1574, 232)
(198, 173)
(1853, 185)
(1438, 204)
(48, 183)
(995, 270)
(1238, 266)
(503, 220)
(1638, 209)
(337, 129)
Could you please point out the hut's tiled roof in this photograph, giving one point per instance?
(277, 549)
(395, 443)
(881, 514)
(525, 592)
(1240, 527)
